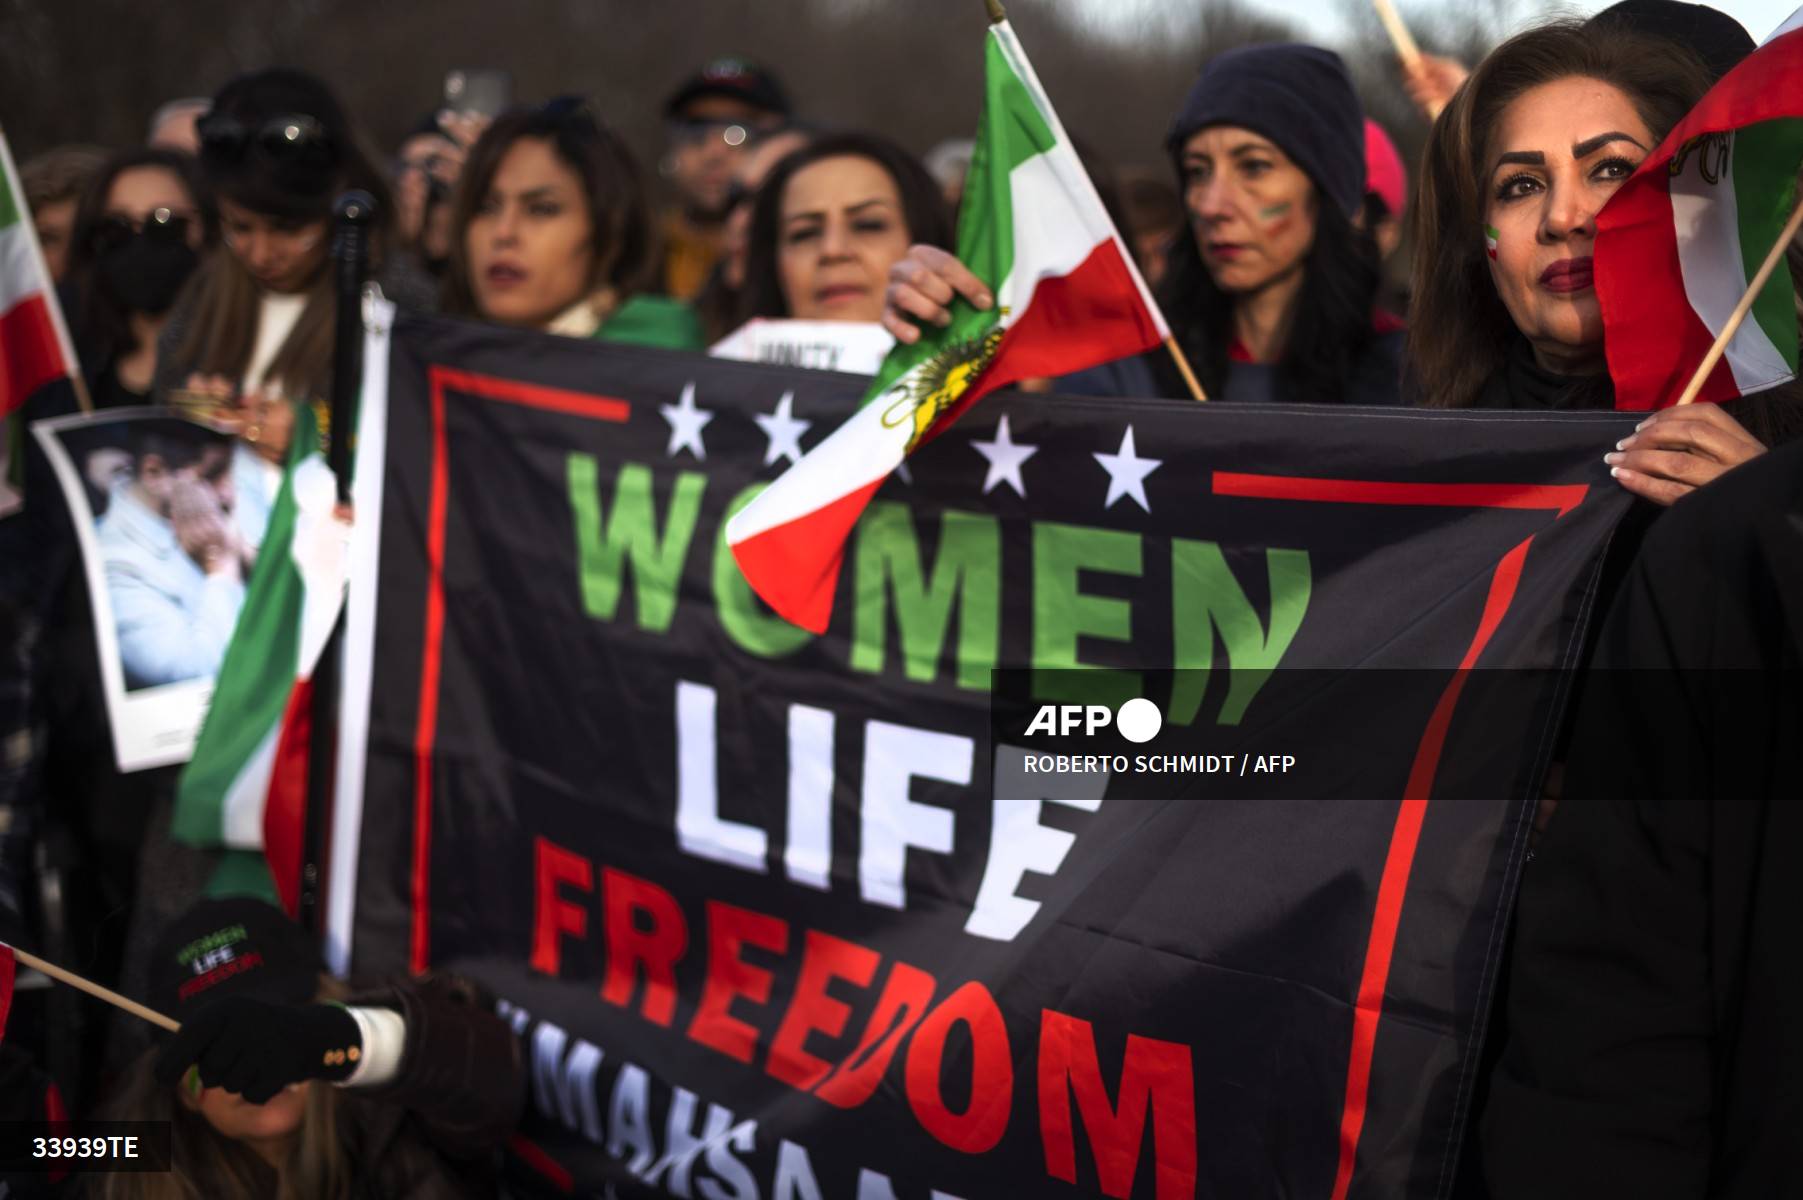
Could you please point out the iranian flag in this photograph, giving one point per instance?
(1068, 297)
(34, 343)
(1705, 208)
(246, 785)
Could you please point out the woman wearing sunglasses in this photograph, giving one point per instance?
(140, 230)
(551, 231)
(254, 334)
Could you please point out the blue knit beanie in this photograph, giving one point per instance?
(1298, 96)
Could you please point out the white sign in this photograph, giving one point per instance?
(855, 347)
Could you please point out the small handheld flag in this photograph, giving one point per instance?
(1068, 297)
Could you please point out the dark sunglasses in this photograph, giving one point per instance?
(293, 138)
(162, 225)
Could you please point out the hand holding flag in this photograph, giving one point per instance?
(1068, 297)
(1685, 250)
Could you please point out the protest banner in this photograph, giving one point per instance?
(748, 894)
(168, 514)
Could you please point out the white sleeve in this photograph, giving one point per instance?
(384, 1038)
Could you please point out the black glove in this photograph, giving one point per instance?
(258, 1047)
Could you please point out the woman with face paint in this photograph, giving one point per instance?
(140, 230)
(1516, 171)
(1271, 287)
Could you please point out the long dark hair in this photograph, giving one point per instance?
(101, 325)
(1460, 332)
(1330, 326)
(611, 183)
(923, 208)
(222, 301)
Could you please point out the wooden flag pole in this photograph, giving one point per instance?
(94, 989)
(1402, 39)
(1189, 376)
(997, 14)
(1772, 258)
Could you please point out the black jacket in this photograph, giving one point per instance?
(1654, 1030)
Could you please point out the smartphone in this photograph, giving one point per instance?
(484, 91)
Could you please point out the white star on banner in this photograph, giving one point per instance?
(1127, 473)
(1005, 457)
(686, 423)
(783, 429)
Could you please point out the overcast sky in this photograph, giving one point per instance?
(1328, 17)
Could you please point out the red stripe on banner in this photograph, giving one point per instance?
(285, 803)
(425, 734)
(1405, 835)
(30, 355)
(8, 965)
(1393, 886)
(1560, 498)
(531, 395)
(794, 566)
(1653, 338)
(534, 1156)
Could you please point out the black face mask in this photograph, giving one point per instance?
(145, 272)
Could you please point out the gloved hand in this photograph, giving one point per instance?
(258, 1047)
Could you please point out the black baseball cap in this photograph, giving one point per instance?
(734, 77)
(233, 946)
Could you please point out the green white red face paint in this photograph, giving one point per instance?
(1490, 236)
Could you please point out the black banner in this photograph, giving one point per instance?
(753, 898)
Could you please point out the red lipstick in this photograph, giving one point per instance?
(1568, 275)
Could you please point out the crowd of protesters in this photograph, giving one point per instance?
(194, 270)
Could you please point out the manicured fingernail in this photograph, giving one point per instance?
(1624, 443)
(1617, 472)
(985, 300)
(943, 319)
(1612, 458)
(1643, 425)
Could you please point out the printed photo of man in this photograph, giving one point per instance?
(174, 561)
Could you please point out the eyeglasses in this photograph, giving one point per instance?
(293, 138)
(164, 225)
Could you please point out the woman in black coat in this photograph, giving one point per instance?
(1654, 1029)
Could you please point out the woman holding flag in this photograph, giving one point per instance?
(1515, 176)
(1271, 288)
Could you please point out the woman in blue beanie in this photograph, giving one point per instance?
(1271, 287)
